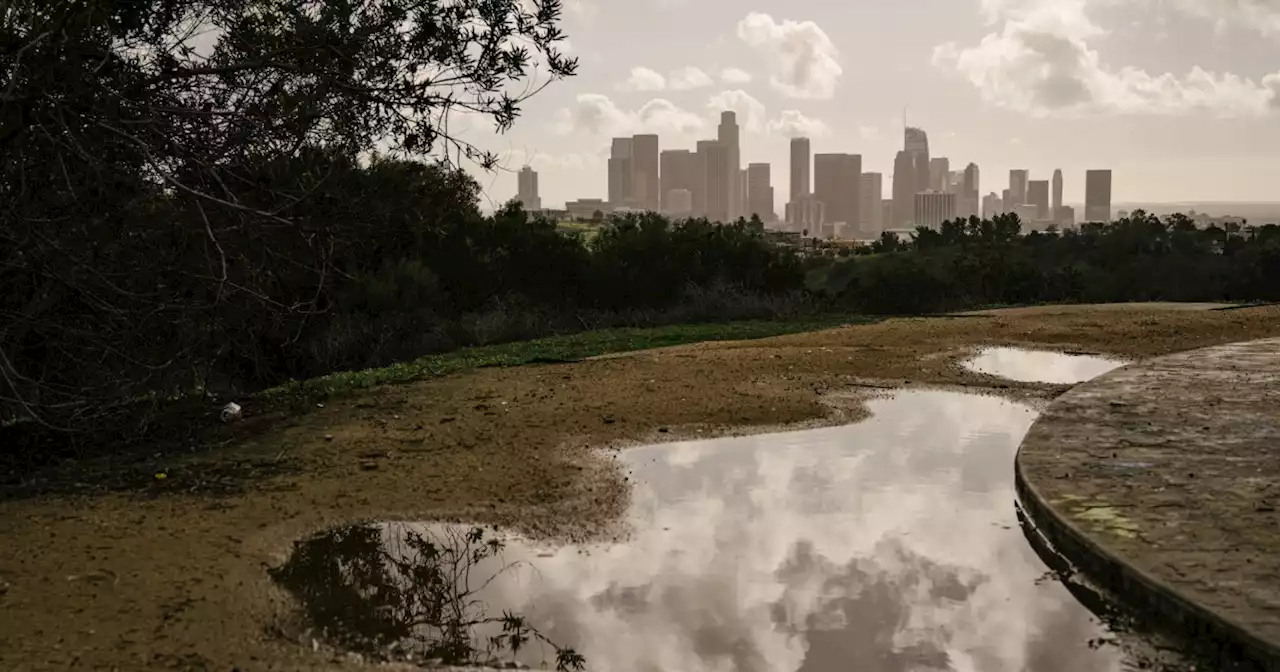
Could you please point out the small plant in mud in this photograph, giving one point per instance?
(414, 595)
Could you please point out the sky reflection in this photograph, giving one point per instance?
(1039, 366)
(883, 546)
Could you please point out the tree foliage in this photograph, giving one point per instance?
(181, 182)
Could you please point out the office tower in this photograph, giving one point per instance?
(720, 178)
(932, 208)
(620, 173)
(916, 142)
(760, 192)
(886, 214)
(992, 205)
(742, 207)
(527, 189)
(837, 183)
(799, 168)
(1038, 195)
(955, 181)
(1017, 189)
(1097, 196)
(679, 171)
(869, 207)
(704, 150)
(727, 135)
(1027, 214)
(969, 184)
(940, 174)
(1056, 207)
(646, 189)
(678, 203)
(904, 189)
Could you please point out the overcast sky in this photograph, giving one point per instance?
(1180, 98)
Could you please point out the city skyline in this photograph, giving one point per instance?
(852, 70)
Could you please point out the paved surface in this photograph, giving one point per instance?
(1161, 480)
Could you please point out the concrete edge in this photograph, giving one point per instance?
(1167, 608)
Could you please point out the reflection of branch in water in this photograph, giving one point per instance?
(415, 596)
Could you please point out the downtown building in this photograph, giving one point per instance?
(870, 208)
(932, 208)
(719, 179)
(680, 172)
(527, 189)
(760, 192)
(1097, 196)
(1038, 196)
(620, 173)
(727, 133)
(1017, 189)
(837, 183)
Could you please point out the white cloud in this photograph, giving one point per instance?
(803, 61)
(751, 112)
(1260, 15)
(514, 159)
(869, 133)
(735, 76)
(644, 79)
(596, 114)
(794, 124)
(687, 78)
(1040, 63)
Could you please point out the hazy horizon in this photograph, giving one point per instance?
(1035, 84)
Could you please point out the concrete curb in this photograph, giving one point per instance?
(1211, 633)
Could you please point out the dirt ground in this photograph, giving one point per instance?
(178, 581)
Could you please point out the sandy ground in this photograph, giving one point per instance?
(178, 581)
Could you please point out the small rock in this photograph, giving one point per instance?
(368, 466)
(328, 437)
(662, 430)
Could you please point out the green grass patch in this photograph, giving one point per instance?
(553, 349)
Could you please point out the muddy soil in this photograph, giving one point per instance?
(176, 580)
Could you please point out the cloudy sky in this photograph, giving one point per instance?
(1180, 98)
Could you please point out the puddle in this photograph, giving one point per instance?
(892, 544)
(1039, 366)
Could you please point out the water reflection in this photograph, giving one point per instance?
(1039, 366)
(883, 546)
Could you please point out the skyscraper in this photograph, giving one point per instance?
(1038, 195)
(916, 142)
(1056, 211)
(837, 183)
(799, 167)
(760, 192)
(720, 178)
(727, 134)
(1097, 196)
(870, 214)
(1017, 189)
(933, 208)
(620, 173)
(904, 189)
(992, 205)
(646, 189)
(970, 185)
(679, 172)
(527, 189)
(940, 174)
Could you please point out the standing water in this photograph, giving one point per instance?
(1039, 366)
(891, 544)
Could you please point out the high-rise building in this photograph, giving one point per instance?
(886, 213)
(904, 189)
(727, 134)
(969, 185)
(916, 142)
(704, 150)
(870, 211)
(1006, 201)
(940, 174)
(932, 208)
(742, 207)
(760, 192)
(991, 205)
(720, 179)
(1097, 196)
(1066, 217)
(646, 189)
(620, 184)
(800, 164)
(1038, 195)
(1017, 189)
(837, 183)
(679, 172)
(527, 189)
(1056, 206)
